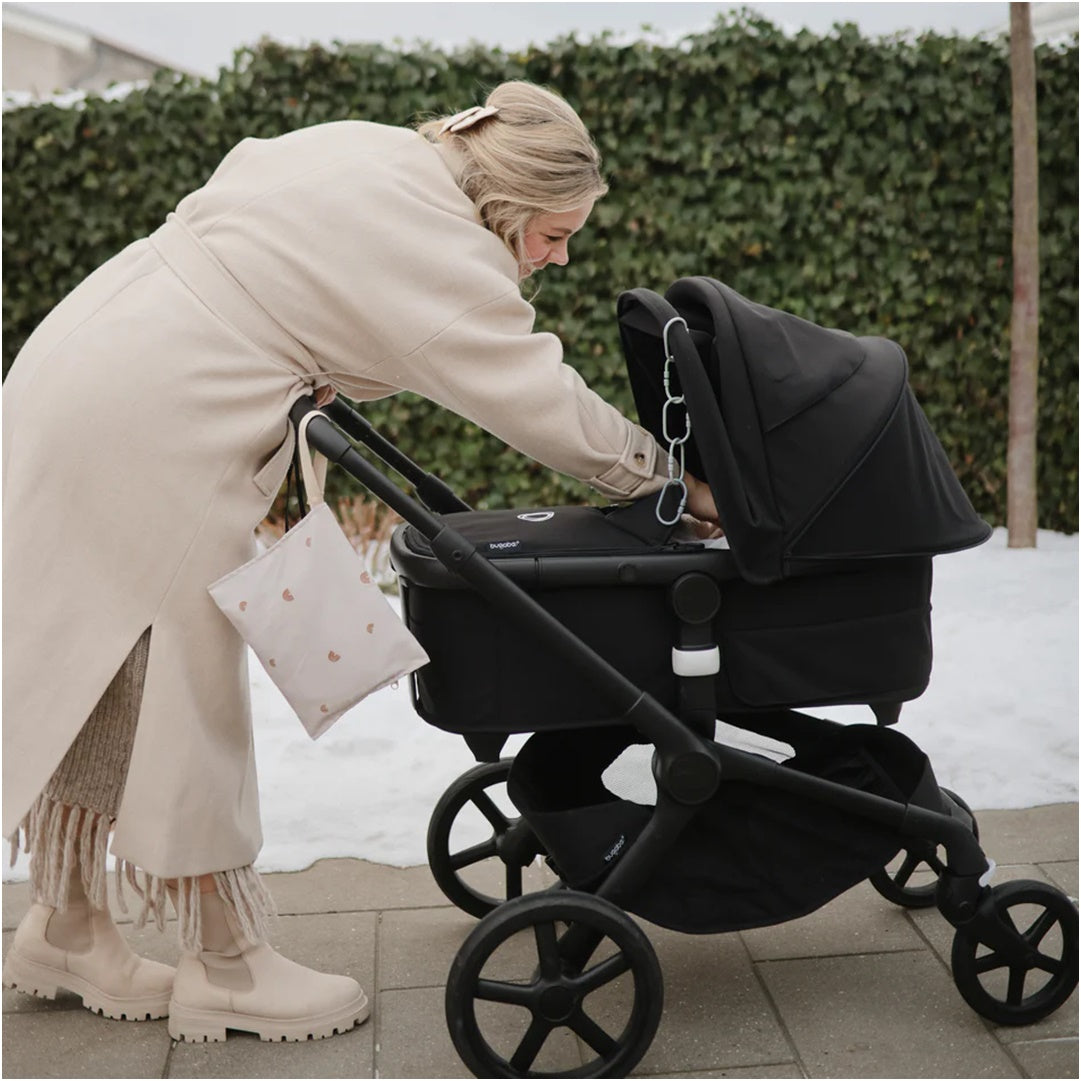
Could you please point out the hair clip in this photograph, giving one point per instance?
(467, 118)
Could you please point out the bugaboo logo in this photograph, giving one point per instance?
(615, 849)
(498, 545)
(537, 516)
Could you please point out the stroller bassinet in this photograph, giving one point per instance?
(833, 492)
(859, 635)
(594, 629)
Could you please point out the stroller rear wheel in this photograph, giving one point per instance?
(540, 985)
(1017, 960)
(894, 882)
(465, 873)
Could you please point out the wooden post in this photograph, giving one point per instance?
(1021, 498)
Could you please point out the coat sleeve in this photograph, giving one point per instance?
(491, 368)
(357, 241)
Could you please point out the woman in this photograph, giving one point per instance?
(149, 412)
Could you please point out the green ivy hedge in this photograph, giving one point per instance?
(861, 184)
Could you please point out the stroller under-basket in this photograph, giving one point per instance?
(601, 631)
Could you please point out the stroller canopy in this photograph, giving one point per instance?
(811, 439)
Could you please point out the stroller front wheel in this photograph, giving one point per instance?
(542, 983)
(1016, 961)
(465, 874)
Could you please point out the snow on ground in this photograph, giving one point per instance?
(999, 720)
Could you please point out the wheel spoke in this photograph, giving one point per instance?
(593, 1034)
(935, 863)
(1040, 926)
(474, 854)
(483, 802)
(1016, 989)
(514, 880)
(988, 963)
(547, 949)
(608, 969)
(513, 994)
(1054, 965)
(1006, 917)
(908, 865)
(530, 1046)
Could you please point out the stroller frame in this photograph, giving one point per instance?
(688, 767)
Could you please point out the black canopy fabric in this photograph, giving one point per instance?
(811, 440)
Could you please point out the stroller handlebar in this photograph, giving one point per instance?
(436, 495)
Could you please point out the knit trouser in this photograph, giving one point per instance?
(69, 824)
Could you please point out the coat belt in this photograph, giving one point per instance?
(204, 274)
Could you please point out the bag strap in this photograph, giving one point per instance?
(313, 466)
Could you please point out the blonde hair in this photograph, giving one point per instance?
(533, 157)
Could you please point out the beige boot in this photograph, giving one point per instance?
(79, 949)
(239, 984)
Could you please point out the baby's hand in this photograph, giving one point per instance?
(700, 502)
(702, 530)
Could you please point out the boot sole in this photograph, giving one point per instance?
(43, 981)
(202, 1026)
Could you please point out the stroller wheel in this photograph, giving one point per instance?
(540, 985)
(895, 881)
(1016, 961)
(465, 863)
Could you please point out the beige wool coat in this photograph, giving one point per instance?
(145, 434)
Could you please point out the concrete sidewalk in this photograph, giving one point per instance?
(860, 988)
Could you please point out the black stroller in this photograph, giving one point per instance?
(596, 630)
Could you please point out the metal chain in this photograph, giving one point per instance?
(675, 480)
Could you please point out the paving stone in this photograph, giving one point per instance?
(416, 948)
(886, 1015)
(716, 1015)
(412, 1036)
(1064, 875)
(1030, 835)
(414, 1042)
(859, 921)
(77, 1043)
(1047, 1058)
(1062, 1024)
(782, 1069)
(348, 885)
(242, 1054)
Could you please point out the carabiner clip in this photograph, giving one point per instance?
(679, 483)
(667, 327)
